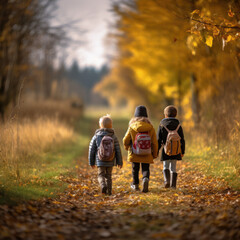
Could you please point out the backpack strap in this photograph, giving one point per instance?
(166, 128)
(178, 127)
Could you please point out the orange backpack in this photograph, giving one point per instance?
(173, 144)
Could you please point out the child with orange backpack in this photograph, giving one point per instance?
(141, 142)
(170, 135)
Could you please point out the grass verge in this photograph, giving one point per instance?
(214, 161)
(52, 164)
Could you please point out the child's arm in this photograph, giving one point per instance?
(154, 144)
(127, 139)
(92, 151)
(118, 153)
(180, 132)
(159, 137)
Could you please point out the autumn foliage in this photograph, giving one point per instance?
(180, 52)
(202, 208)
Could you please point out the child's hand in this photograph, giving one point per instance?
(93, 166)
(119, 166)
(182, 155)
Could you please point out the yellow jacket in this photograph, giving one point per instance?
(140, 125)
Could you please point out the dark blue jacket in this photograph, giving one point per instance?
(94, 145)
(171, 124)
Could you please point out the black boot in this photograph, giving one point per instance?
(174, 180)
(166, 175)
(145, 185)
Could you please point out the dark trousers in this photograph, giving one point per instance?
(135, 171)
(105, 175)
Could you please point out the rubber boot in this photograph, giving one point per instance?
(145, 185)
(174, 180)
(166, 175)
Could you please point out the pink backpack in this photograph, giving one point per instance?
(106, 149)
(142, 144)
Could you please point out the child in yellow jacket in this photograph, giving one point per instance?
(141, 142)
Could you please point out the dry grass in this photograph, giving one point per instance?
(21, 141)
(66, 110)
(219, 157)
(32, 129)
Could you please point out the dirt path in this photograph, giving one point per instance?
(201, 208)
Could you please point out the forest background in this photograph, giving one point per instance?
(185, 53)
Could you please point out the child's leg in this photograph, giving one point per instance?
(146, 174)
(173, 166)
(166, 173)
(135, 175)
(173, 173)
(135, 172)
(145, 170)
(101, 178)
(109, 179)
(166, 164)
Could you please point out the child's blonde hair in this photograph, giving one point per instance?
(105, 122)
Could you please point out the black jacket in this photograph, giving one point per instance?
(94, 145)
(171, 124)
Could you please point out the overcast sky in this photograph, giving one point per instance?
(94, 17)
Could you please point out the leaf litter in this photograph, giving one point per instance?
(202, 208)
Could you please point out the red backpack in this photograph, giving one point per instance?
(106, 149)
(142, 144)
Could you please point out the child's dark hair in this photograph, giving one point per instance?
(170, 111)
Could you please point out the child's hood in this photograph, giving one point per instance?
(140, 126)
(171, 123)
(104, 131)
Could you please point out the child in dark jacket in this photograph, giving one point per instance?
(104, 167)
(170, 123)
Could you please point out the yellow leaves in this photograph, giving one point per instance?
(209, 41)
(229, 38)
(196, 11)
(192, 43)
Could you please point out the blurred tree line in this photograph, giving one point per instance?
(29, 46)
(82, 81)
(24, 30)
(182, 52)
(66, 83)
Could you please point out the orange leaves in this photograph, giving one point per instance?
(207, 28)
(230, 13)
(199, 206)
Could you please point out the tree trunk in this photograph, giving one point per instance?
(195, 100)
(179, 85)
